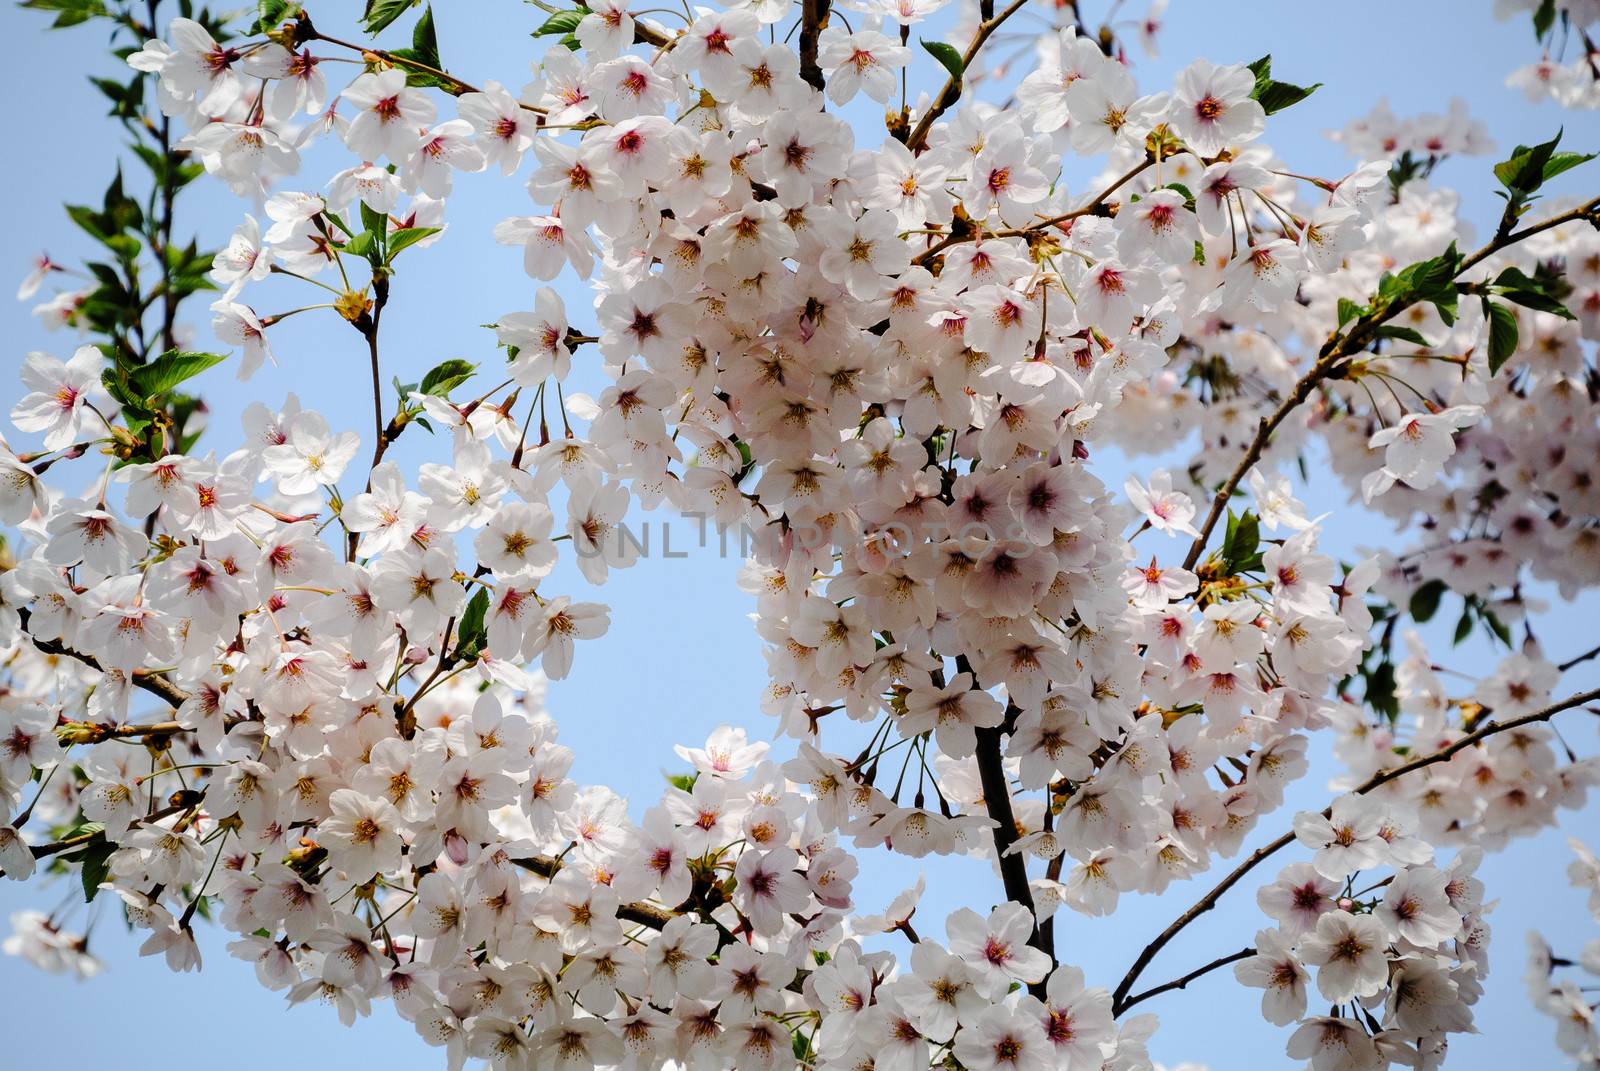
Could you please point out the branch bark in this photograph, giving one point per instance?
(1579, 659)
(1044, 224)
(813, 18)
(55, 847)
(1180, 983)
(641, 913)
(154, 683)
(1013, 868)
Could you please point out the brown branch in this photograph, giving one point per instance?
(369, 329)
(1579, 659)
(644, 914)
(154, 683)
(813, 19)
(304, 31)
(972, 235)
(1209, 900)
(1180, 983)
(1013, 868)
(1324, 369)
(1329, 366)
(645, 33)
(951, 91)
(88, 732)
(55, 847)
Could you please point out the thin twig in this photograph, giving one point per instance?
(972, 235)
(1579, 659)
(1180, 983)
(57, 846)
(951, 90)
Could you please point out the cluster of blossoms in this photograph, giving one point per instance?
(894, 366)
(1382, 135)
(1571, 1004)
(1510, 785)
(1564, 28)
(1412, 946)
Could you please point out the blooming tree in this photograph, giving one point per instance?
(257, 673)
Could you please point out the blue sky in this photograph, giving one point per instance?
(681, 656)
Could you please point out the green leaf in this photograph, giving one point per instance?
(409, 236)
(425, 50)
(1407, 168)
(170, 369)
(562, 22)
(1502, 334)
(1380, 694)
(1463, 626)
(425, 41)
(1533, 293)
(1564, 161)
(1431, 280)
(1275, 96)
(1523, 170)
(373, 220)
(270, 14)
(1496, 626)
(446, 376)
(471, 634)
(1241, 545)
(683, 781)
(1349, 310)
(1529, 167)
(338, 221)
(364, 244)
(96, 863)
(69, 12)
(379, 14)
(947, 55)
(1404, 334)
(1280, 95)
(1425, 600)
(1544, 18)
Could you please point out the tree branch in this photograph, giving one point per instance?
(154, 683)
(813, 18)
(57, 846)
(1335, 350)
(997, 800)
(88, 732)
(1324, 369)
(1180, 983)
(1092, 207)
(644, 914)
(951, 91)
(369, 329)
(1209, 900)
(1579, 659)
